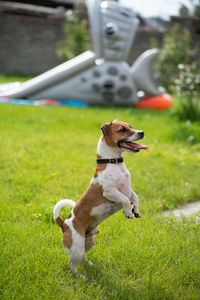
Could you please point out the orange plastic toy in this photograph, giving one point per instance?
(163, 101)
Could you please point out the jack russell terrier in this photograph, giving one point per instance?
(108, 192)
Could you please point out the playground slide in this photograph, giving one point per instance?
(33, 88)
(101, 76)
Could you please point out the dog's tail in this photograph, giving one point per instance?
(57, 208)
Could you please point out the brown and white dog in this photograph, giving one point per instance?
(109, 191)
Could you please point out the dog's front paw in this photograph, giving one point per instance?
(128, 214)
(136, 213)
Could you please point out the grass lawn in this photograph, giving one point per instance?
(48, 153)
(11, 78)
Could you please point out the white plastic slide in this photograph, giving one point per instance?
(102, 76)
(40, 84)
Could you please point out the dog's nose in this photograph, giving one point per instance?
(141, 134)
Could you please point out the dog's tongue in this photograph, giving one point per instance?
(132, 145)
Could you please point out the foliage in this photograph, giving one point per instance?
(4, 78)
(77, 38)
(175, 51)
(197, 15)
(181, 75)
(190, 131)
(48, 153)
(187, 87)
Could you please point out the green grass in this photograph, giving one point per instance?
(13, 77)
(48, 153)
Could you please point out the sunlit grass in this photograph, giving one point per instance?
(48, 153)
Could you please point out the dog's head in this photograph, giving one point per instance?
(121, 135)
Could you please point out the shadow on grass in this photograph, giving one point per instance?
(113, 284)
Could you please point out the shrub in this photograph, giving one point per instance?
(77, 38)
(175, 50)
(190, 131)
(197, 16)
(187, 88)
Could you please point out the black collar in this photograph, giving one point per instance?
(110, 160)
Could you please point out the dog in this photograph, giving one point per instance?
(108, 192)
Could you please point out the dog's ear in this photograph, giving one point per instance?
(106, 129)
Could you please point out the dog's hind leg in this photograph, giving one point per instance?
(77, 251)
(89, 243)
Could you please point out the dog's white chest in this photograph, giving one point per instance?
(123, 180)
(115, 176)
(118, 176)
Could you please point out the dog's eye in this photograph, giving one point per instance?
(123, 129)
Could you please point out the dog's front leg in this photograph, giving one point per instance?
(116, 196)
(134, 200)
